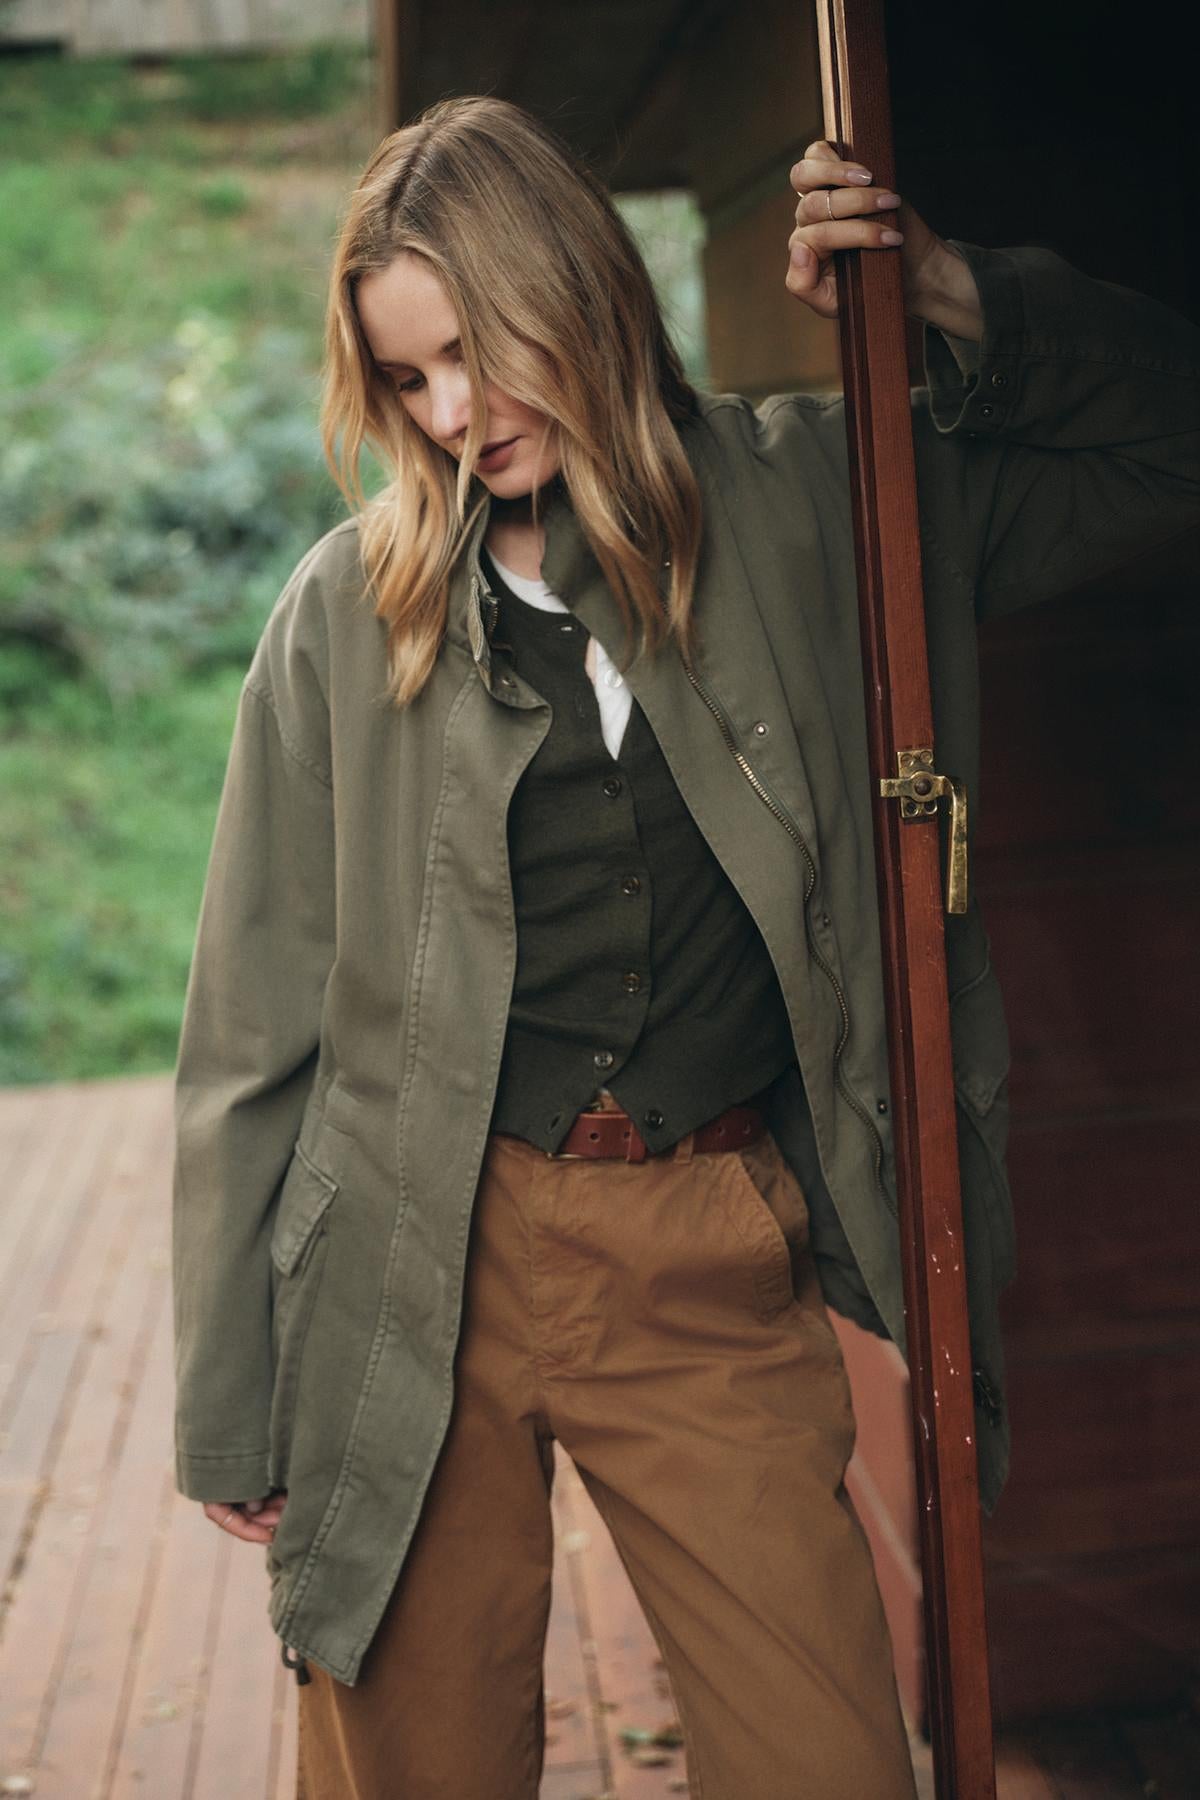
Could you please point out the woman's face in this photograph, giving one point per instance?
(409, 322)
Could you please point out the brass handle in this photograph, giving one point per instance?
(918, 787)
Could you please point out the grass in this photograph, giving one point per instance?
(164, 236)
(106, 819)
(163, 240)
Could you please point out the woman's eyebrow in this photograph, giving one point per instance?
(449, 349)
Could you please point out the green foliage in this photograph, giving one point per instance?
(163, 241)
(670, 231)
(160, 474)
(106, 815)
(160, 502)
(310, 82)
(223, 198)
(51, 104)
(159, 464)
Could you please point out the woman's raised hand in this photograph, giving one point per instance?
(252, 1520)
(840, 209)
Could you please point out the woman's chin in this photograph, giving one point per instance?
(515, 483)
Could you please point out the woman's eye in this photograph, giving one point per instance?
(409, 385)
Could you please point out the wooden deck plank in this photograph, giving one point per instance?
(281, 1775)
(54, 1653)
(574, 1783)
(45, 1229)
(631, 1681)
(169, 1692)
(102, 1632)
(136, 1657)
(571, 1722)
(52, 1271)
(32, 1122)
(235, 1748)
(84, 1362)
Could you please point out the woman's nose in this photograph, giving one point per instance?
(451, 407)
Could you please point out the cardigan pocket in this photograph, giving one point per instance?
(298, 1249)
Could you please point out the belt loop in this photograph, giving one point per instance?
(685, 1147)
(635, 1145)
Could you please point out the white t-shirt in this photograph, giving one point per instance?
(612, 696)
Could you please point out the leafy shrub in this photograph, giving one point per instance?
(303, 83)
(223, 198)
(157, 504)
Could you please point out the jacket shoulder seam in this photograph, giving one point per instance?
(266, 698)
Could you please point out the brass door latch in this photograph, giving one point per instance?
(918, 787)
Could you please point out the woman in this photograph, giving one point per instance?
(533, 1081)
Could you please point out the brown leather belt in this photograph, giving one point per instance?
(613, 1134)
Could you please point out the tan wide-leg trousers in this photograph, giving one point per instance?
(662, 1320)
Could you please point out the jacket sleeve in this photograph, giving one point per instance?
(1066, 442)
(247, 1056)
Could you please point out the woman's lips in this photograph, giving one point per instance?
(495, 456)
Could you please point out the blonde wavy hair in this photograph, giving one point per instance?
(555, 306)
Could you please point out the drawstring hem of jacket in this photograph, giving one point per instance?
(295, 1660)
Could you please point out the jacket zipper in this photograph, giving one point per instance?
(793, 830)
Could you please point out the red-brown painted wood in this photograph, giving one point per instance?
(884, 505)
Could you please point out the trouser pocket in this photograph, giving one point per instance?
(767, 1208)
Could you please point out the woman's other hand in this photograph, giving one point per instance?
(839, 209)
(252, 1520)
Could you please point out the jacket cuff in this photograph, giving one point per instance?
(973, 387)
(849, 1297)
(241, 1476)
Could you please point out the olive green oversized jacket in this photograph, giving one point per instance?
(356, 946)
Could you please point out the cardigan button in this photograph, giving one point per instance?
(611, 786)
(604, 1059)
(631, 885)
(999, 380)
(653, 1118)
(632, 983)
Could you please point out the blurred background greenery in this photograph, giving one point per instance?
(164, 235)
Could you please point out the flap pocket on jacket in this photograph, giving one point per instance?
(305, 1195)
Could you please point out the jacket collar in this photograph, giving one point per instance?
(568, 567)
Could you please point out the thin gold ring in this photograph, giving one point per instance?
(829, 202)
(228, 1516)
